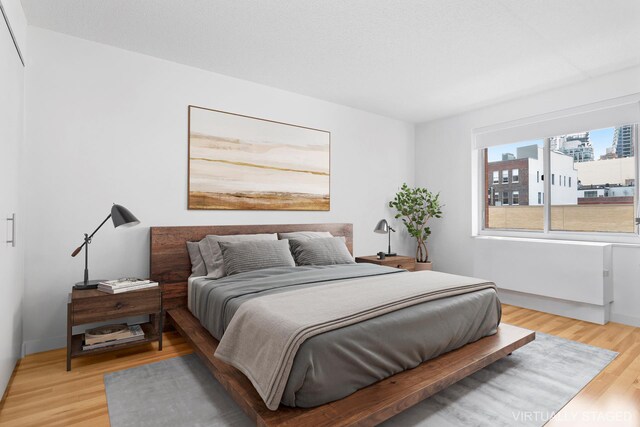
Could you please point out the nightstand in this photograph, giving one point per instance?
(405, 262)
(93, 306)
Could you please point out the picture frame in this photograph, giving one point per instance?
(240, 162)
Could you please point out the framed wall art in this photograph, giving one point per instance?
(244, 163)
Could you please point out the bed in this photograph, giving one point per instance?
(342, 376)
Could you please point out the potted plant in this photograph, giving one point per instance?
(416, 206)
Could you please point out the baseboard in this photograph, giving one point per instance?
(6, 387)
(626, 319)
(575, 310)
(46, 344)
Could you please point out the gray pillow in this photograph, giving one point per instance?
(197, 262)
(321, 251)
(213, 257)
(303, 235)
(239, 257)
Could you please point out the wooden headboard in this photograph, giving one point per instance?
(170, 263)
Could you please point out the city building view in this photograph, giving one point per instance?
(592, 182)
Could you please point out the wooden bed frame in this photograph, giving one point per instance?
(170, 266)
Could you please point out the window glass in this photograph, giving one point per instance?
(505, 198)
(515, 204)
(602, 163)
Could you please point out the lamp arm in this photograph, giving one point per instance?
(389, 234)
(87, 240)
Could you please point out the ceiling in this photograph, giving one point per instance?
(416, 60)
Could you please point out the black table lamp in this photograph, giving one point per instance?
(122, 218)
(382, 228)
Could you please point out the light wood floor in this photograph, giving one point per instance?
(41, 392)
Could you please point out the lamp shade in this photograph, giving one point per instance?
(382, 227)
(122, 217)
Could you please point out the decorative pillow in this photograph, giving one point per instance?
(212, 255)
(321, 251)
(303, 235)
(239, 257)
(197, 262)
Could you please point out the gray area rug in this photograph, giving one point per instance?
(524, 389)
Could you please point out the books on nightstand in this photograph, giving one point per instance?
(105, 336)
(125, 285)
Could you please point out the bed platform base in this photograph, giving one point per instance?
(368, 406)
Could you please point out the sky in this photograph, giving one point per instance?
(600, 139)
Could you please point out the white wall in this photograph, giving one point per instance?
(107, 125)
(611, 171)
(447, 143)
(563, 172)
(11, 146)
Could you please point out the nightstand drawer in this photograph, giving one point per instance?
(398, 261)
(405, 265)
(107, 307)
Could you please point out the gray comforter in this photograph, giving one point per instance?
(334, 364)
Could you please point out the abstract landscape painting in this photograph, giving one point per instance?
(241, 162)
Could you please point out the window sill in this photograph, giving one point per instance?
(618, 239)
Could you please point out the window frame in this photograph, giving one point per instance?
(515, 178)
(505, 196)
(479, 229)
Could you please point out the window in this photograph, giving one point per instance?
(604, 198)
(507, 210)
(592, 187)
(495, 177)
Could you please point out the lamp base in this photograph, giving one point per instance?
(91, 284)
(391, 254)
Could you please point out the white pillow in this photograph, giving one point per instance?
(212, 254)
